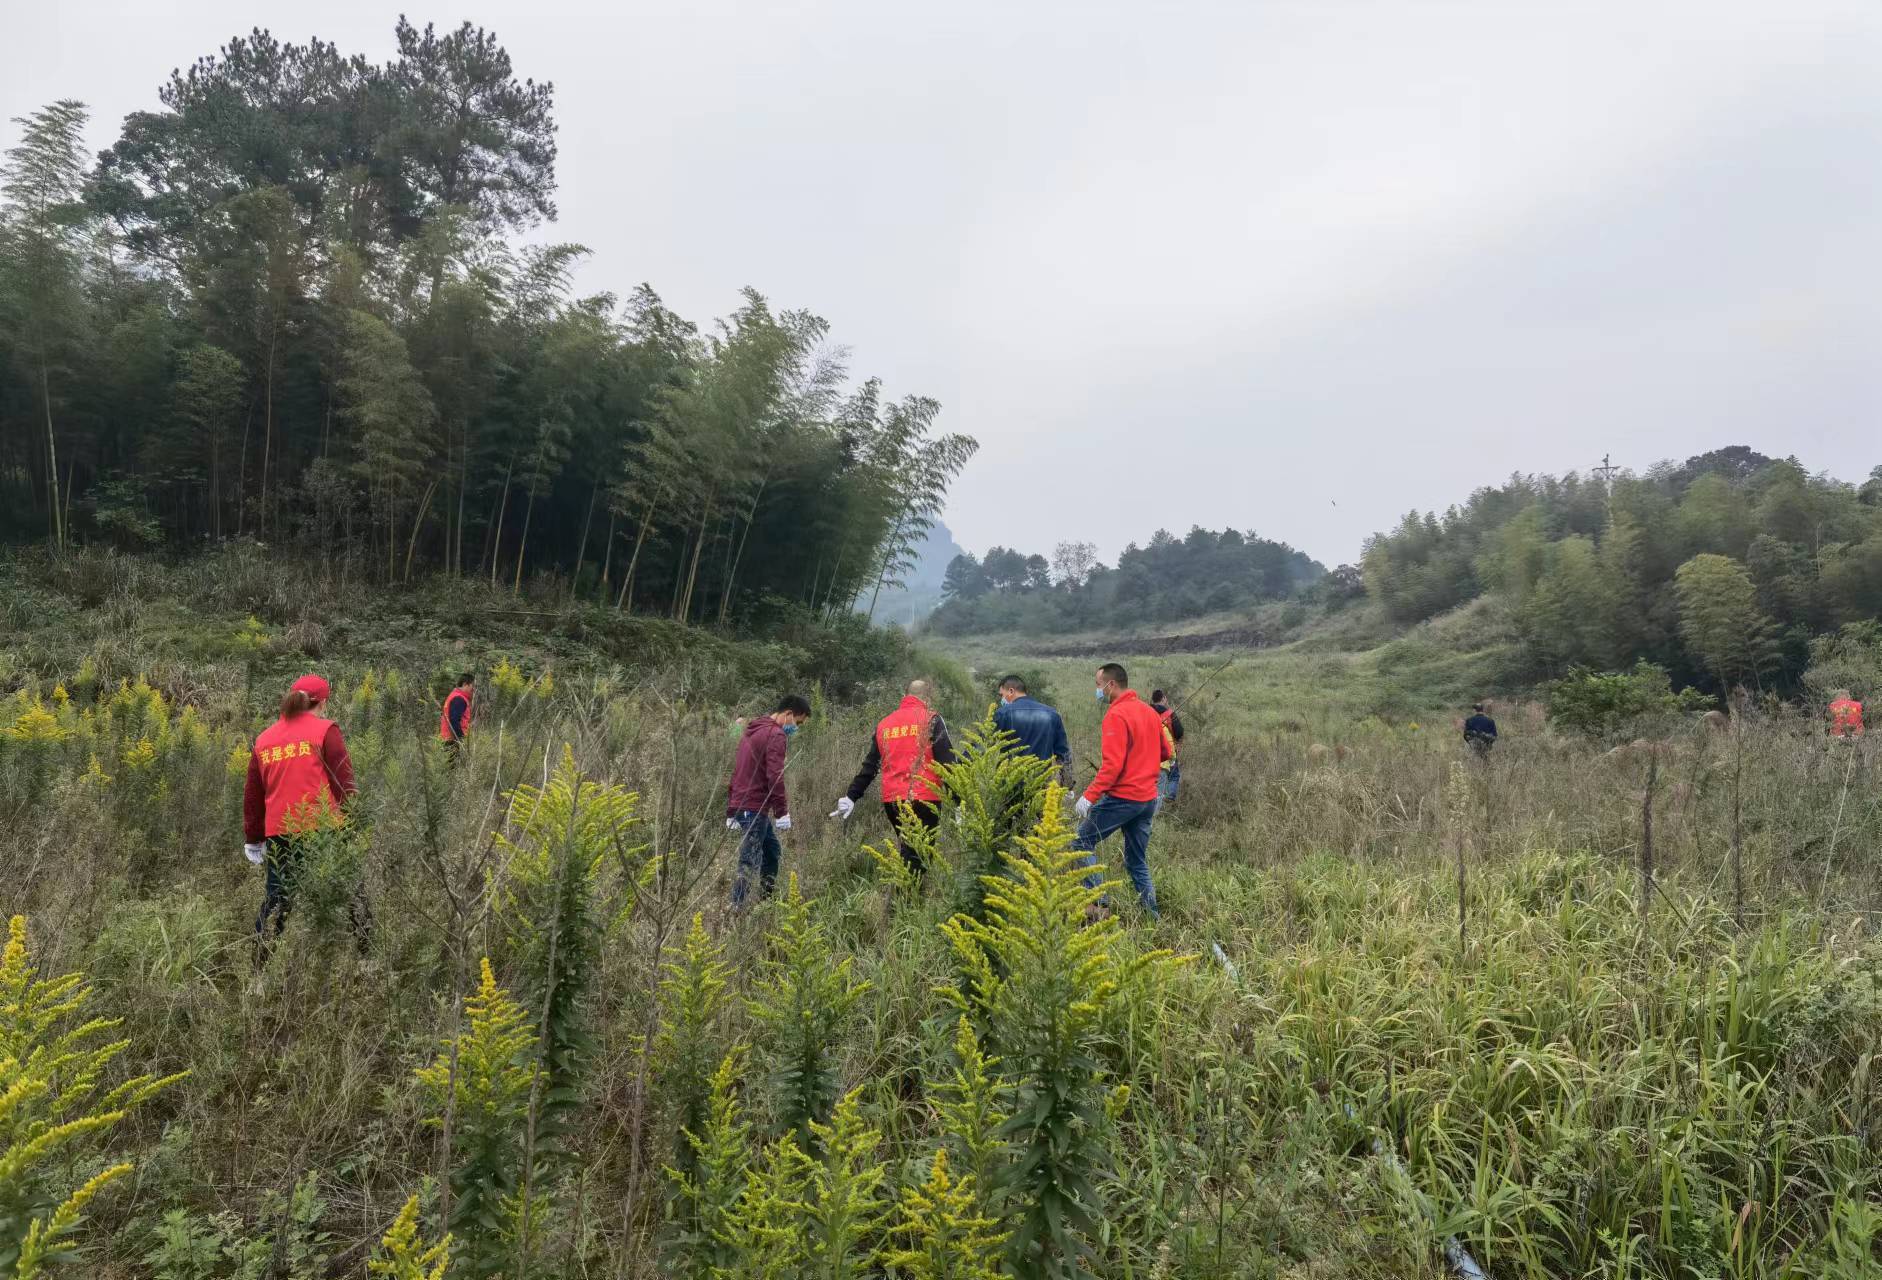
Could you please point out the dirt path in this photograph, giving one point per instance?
(1241, 637)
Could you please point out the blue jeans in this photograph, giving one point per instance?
(758, 853)
(1167, 783)
(1132, 817)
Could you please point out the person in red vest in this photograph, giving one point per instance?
(1845, 716)
(756, 803)
(454, 721)
(908, 743)
(1123, 796)
(299, 782)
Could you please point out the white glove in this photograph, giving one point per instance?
(731, 824)
(784, 823)
(1083, 806)
(256, 853)
(844, 808)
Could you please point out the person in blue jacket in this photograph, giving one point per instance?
(1039, 728)
(1480, 731)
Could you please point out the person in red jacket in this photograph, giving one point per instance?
(756, 804)
(1845, 715)
(299, 781)
(454, 719)
(908, 743)
(1123, 797)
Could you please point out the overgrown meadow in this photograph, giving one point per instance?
(1573, 1011)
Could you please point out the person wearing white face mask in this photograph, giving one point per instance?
(756, 804)
(1123, 797)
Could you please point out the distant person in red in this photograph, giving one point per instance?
(909, 742)
(1845, 715)
(1133, 744)
(454, 721)
(756, 804)
(299, 780)
(1172, 779)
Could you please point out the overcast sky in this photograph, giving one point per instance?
(1291, 267)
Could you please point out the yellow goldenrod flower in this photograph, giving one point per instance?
(141, 754)
(38, 727)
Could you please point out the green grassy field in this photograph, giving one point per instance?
(1395, 998)
(1340, 678)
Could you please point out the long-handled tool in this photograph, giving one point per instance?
(1204, 684)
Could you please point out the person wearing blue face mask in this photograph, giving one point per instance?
(1133, 744)
(756, 804)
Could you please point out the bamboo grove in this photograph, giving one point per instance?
(292, 304)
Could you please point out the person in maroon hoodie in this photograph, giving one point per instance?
(756, 803)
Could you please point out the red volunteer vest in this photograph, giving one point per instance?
(902, 740)
(294, 775)
(1846, 718)
(444, 716)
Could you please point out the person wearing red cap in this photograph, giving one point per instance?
(299, 780)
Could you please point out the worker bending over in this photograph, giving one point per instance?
(1845, 715)
(454, 719)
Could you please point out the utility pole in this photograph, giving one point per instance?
(1606, 471)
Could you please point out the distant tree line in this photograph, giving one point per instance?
(1721, 569)
(1166, 580)
(286, 306)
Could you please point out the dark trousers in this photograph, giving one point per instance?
(1132, 817)
(758, 855)
(287, 859)
(927, 813)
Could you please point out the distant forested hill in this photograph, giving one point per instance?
(1723, 569)
(922, 589)
(1166, 580)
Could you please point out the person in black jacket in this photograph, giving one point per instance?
(1479, 731)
